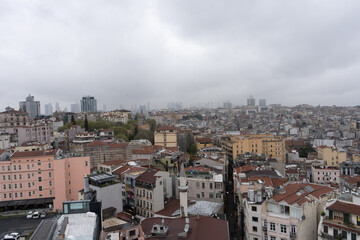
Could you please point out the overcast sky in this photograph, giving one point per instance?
(134, 52)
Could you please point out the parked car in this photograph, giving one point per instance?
(36, 214)
(29, 214)
(12, 236)
(43, 215)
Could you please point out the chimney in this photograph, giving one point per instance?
(86, 184)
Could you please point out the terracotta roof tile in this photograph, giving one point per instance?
(34, 153)
(345, 208)
(148, 176)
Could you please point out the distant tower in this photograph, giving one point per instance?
(57, 107)
(30, 106)
(88, 104)
(262, 102)
(183, 188)
(251, 101)
(48, 109)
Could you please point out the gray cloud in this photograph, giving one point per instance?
(132, 52)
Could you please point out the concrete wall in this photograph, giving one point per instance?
(110, 196)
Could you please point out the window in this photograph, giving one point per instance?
(39, 179)
(15, 185)
(4, 195)
(254, 208)
(39, 163)
(9, 186)
(198, 195)
(28, 166)
(293, 230)
(326, 229)
(21, 194)
(132, 233)
(4, 177)
(197, 185)
(211, 195)
(20, 185)
(29, 194)
(4, 187)
(254, 229)
(272, 238)
(86, 163)
(20, 177)
(202, 194)
(50, 183)
(40, 188)
(28, 175)
(218, 195)
(338, 216)
(203, 185)
(29, 184)
(282, 228)
(255, 219)
(49, 165)
(272, 226)
(14, 177)
(16, 195)
(14, 167)
(49, 174)
(211, 186)
(3, 168)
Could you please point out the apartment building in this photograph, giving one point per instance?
(266, 144)
(39, 133)
(42, 175)
(340, 221)
(325, 174)
(122, 116)
(13, 118)
(166, 136)
(152, 187)
(129, 195)
(294, 212)
(203, 184)
(331, 155)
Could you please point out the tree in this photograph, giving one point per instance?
(193, 149)
(73, 120)
(86, 124)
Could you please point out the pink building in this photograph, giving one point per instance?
(40, 133)
(325, 174)
(41, 176)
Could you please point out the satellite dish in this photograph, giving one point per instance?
(186, 228)
(187, 220)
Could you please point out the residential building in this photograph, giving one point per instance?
(107, 189)
(152, 188)
(129, 195)
(166, 136)
(350, 168)
(262, 102)
(251, 101)
(4, 141)
(12, 118)
(203, 185)
(122, 116)
(81, 140)
(88, 104)
(30, 106)
(340, 221)
(38, 133)
(325, 174)
(266, 144)
(331, 155)
(42, 175)
(294, 212)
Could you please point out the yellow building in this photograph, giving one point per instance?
(356, 157)
(331, 155)
(267, 144)
(166, 136)
(203, 142)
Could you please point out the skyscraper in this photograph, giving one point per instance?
(30, 106)
(75, 108)
(57, 107)
(88, 104)
(48, 109)
(251, 101)
(262, 102)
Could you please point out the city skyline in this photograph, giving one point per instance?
(179, 52)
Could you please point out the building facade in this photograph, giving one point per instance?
(166, 136)
(88, 104)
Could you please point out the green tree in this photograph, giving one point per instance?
(193, 149)
(86, 124)
(73, 120)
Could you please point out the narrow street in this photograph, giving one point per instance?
(230, 206)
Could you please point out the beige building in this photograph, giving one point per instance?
(331, 155)
(267, 144)
(12, 118)
(166, 136)
(122, 116)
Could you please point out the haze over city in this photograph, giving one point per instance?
(129, 52)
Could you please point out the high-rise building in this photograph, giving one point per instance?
(262, 102)
(88, 104)
(57, 107)
(48, 109)
(251, 101)
(30, 106)
(75, 108)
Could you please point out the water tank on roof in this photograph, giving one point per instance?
(251, 195)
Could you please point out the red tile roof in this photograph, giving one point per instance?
(198, 169)
(143, 150)
(292, 193)
(34, 154)
(166, 128)
(200, 229)
(96, 143)
(118, 145)
(1, 151)
(244, 168)
(148, 176)
(345, 208)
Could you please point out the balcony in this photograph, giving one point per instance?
(264, 228)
